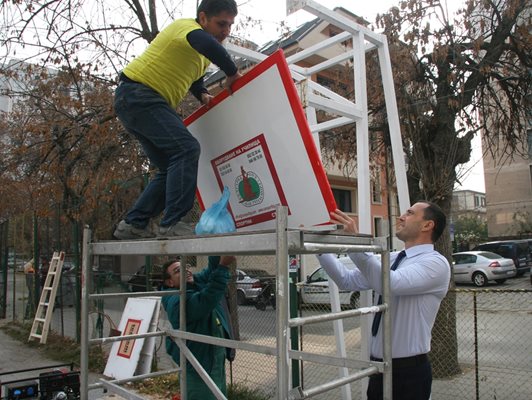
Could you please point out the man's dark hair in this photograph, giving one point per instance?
(164, 268)
(215, 7)
(433, 212)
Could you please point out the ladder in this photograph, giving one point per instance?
(43, 315)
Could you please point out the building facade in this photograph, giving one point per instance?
(509, 193)
(468, 204)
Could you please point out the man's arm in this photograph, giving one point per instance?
(199, 90)
(207, 45)
(346, 279)
(202, 302)
(428, 275)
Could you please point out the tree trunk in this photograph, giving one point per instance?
(444, 346)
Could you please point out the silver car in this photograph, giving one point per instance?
(315, 289)
(480, 267)
(248, 284)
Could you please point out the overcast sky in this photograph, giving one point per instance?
(271, 12)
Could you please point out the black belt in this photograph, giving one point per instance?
(123, 78)
(406, 362)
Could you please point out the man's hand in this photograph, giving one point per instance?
(230, 80)
(341, 218)
(227, 260)
(206, 99)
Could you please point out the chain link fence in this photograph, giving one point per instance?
(494, 332)
(492, 341)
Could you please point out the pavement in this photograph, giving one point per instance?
(16, 356)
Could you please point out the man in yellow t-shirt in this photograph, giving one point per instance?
(150, 88)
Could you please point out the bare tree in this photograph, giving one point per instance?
(61, 142)
(61, 147)
(455, 77)
(101, 35)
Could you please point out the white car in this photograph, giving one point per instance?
(315, 289)
(249, 284)
(479, 267)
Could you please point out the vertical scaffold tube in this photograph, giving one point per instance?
(85, 276)
(283, 332)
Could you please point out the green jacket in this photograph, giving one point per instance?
(205, 313)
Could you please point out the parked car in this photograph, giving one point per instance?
(137, 283)
(517, 250)
(16, 263)
(530, 258)
(68, 266)
(480, 267)
(315, 289)
(249, 283)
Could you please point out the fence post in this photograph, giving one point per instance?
(475, 329)
(3, 267)
(36, 259)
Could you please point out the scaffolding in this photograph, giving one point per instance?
(285, 241)
(281, 242)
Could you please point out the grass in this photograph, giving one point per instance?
(238, 391)
(66, 350)
(57, 347)
(167, 387)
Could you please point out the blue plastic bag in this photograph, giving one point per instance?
(216, 218)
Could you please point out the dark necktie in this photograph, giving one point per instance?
(377, 317)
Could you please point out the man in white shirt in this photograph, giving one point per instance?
(418, 281)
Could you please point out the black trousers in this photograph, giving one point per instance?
(411, 379)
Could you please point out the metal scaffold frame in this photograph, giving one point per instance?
(283, 241)
(280, 242)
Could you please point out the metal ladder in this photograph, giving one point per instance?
(43, 315)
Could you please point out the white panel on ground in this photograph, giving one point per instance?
(136, 319)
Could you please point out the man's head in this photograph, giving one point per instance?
(424, 222)
(172, 274)
(216, 17)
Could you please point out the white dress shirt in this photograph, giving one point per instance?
(417, 286)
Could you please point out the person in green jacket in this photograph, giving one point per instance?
(206, 313)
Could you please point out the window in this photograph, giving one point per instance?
(333, 32)
(471, 259)
(331, 83)
(343, 199)
(458, 259)
(376, 194)
(378, 227)
(464, 259)
(319, 276)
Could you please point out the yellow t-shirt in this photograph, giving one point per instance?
(169, 65)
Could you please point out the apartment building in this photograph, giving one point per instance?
(509, 192)
(468, 204)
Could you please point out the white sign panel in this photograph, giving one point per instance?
(257, 143)
(136, 319)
